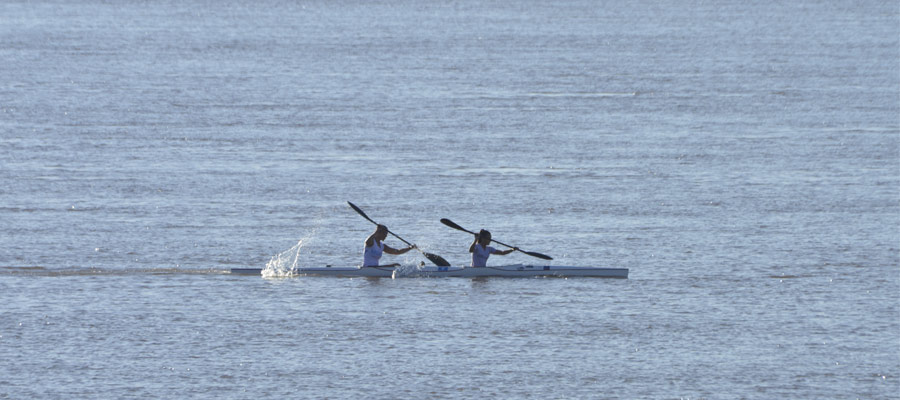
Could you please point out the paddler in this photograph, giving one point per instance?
(481, 250)
(375, 247)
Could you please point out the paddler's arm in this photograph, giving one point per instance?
(391, 250)
(504, 252)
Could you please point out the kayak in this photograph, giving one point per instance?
(513, 271)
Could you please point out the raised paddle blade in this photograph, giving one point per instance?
(453, 225)
(361, 212)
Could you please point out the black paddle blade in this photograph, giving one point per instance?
(453, 225)
(360, 211)
(436, 259)
(538, 255)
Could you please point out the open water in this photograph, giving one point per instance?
(742, 159)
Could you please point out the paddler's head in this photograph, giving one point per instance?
(484, 237)
(381, 232)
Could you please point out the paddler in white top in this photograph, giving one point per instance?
(375, 247)
(481, 251)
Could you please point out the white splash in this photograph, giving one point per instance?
(286, 263)
(406, 270)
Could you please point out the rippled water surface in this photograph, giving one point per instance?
(741, 160)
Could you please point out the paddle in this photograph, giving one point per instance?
(436, 259)
(453, 225)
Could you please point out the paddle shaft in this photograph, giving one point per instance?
(453, 225)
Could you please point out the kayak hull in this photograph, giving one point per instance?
(510, 271)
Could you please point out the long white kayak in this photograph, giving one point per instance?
(517, 270)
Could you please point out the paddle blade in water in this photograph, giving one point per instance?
(436, 259)
(538, 255)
